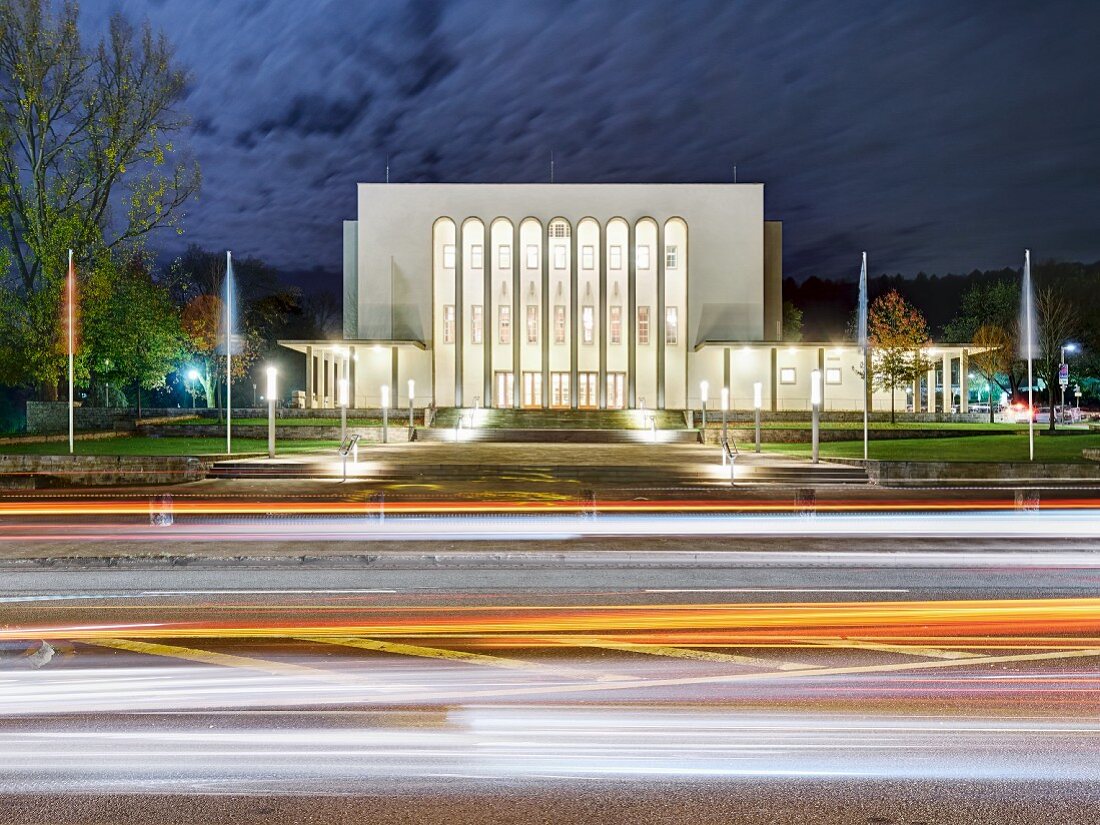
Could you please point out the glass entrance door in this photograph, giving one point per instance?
(587, 390)
(559, 390)
(505, 387)
(615, 397)
(532, 389)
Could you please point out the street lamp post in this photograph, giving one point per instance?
(1063, 382)
(703, 395)
(412, 394)
(193, 376)
(385, 414)
(725, 412)
(815, 401)
(757, 403)
(342, 388)
(271, 393)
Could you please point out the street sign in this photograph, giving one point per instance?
(1063, 375)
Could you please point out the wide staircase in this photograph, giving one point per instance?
(559, 426)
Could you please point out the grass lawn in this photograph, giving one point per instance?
(138, 445)
(395, 418)
(984, 427)
(978, 448)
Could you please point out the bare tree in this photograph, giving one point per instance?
(1057, 322)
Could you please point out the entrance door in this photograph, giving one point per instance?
(559, 390)
(587, 390)
(615, 383)
(532, 389)
(505, 387)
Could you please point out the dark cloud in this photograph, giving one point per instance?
(939, 136)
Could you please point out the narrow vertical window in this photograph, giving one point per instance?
(532, 256)
(449, 256)
(532, 324)
(559, 257)
(476, 323)
(672, 256)
(643, 256)
(616, 325)
(588, 257)
(672, 326)
(449, 324)
(504, 257)
(477, 257)
(559, 324)
(588, 324)
(615, 257)
(504, 323)
(643, 325)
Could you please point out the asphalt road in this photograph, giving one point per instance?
(867, 679)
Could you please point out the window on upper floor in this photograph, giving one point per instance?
(643, 325)
(615, 325)
(504, 323)
(615, 257)
(477, 318)
(532, 256)
(588, 324)
(672, 326)
(449, 256)
(643, 261)
(504, 257)
(588, 257)
(449, 324)
(672, 256)
(559, 324)
(477, 257)
(559, 257)
(532, 324)
(559, 229)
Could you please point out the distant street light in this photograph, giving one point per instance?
(193, 377)
(1063, 381)
(757, 403)
(385, 413)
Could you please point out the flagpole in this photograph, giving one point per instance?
(228, 352)
(863, 346)
(72, 291)
(1027, 322)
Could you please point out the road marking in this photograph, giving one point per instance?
(457, 656)
(771, 590)
(674, 652)
(212, 658)
(909, 650)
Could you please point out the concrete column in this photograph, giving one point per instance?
(322, 389)
(726, 376)
(631, 312)
(660, 348)
(931, 393)
(775, 379)
(544, 324)
(517, 329)
(573, 327)
(395, 373)
(488, 322)
(916, 390)
(964, 381)
(601, 390)
(353, 372)
(947, 383)
(309, 377)
(821, 369)
(460, 311)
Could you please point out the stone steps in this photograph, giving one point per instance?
(560, 419)
(502, 435)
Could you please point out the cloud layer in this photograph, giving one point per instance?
(938, 136)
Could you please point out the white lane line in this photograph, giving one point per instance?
(62, 597)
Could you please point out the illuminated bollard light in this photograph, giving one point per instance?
(271, 393)
(703, 386)
(757, 403)
(815, 402)
(385, 414)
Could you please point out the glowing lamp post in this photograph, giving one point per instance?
(342, 392)
(815, 402)
(193, 377)
(703, 395)
(272, 391)
(412, 395)
(757, 403)
(725, 411)
(385, 413)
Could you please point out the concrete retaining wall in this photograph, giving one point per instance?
(804, 435)
(887, 472)
(53, 416)
(94, 470)
(372, 435)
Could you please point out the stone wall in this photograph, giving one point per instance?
(891, 472)
(100, 470)
(53, 416)
(397, 433)
(804, 435)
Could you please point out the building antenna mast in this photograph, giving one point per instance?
(735, 173)
(551, 165)
(387, 168)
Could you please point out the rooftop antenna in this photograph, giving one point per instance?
(551, 165)
(735, 173)
(387, 168)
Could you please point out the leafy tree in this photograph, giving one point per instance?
(984, 304)
(896, 331)
(1057, 322)
(992, 356)
(86, 162)
(792, 322)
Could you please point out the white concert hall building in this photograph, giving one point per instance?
(579, 296)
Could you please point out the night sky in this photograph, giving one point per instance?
(938, 136)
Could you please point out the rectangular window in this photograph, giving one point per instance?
(588, 324)
(532, 256)
(559, 257)
(787, 375)
(477, 257)
(643, 325)
(504, 323)
(559, 389)
(559, 324)
(449, 256)
(643, 257)
(532, 324)
(832, 375)
(504, 257)
(588, 257)
(449, 324)
(672, 326)
(616, 325)
(672, 256)
(477, 319)
(615, 257)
